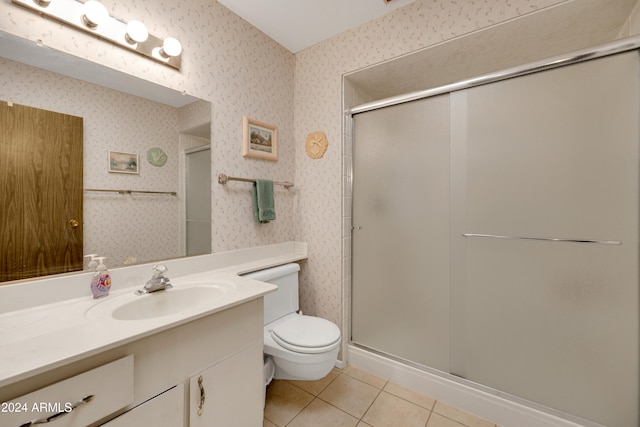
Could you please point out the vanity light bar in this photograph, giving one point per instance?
(93, 18)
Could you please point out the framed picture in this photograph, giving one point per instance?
(120, 162)
(260, 140)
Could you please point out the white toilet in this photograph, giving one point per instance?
(302, 347)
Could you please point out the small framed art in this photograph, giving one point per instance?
(120, 162)
(260, 140)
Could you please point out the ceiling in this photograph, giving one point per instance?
(298, 24)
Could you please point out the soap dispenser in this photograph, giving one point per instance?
(101, 281)
(92, 262)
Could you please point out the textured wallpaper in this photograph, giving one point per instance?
(119, 227)
(324, 205)
(242, 72)
(225, 61)
(324, 202)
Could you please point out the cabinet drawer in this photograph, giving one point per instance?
(79, 400)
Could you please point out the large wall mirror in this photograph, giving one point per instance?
(145, 211)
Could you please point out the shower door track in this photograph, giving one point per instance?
(612, 48)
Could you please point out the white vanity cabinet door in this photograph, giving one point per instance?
(233, 392)
(79, 401)
(164, 410)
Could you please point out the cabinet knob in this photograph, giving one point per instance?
(201, 405)
(74, 223)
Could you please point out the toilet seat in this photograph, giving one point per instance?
(306, 334)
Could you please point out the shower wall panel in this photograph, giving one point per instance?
(198, 201)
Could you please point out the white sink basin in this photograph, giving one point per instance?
(180, 298)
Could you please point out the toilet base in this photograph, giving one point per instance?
(303, 367)
(288, 370)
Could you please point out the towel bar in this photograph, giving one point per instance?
(167, 193)
(223, 179)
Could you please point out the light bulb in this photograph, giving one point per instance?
(94, 13)
(136, 32)
(170, 47)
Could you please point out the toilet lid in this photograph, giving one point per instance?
(306, 333)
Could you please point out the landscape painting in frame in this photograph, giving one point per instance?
(260, 140)
(120, 162)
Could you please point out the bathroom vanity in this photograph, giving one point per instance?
(122, 361)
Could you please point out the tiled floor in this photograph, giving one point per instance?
(352, 398)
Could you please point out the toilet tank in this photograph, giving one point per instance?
(285, 300)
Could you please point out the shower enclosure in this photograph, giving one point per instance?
(495, 235)
(198, 200)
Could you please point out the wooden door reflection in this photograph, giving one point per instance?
(40, 192)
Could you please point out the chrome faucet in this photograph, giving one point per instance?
(157, 283)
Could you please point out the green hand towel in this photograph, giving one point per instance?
(263, 201)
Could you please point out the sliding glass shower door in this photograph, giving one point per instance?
(550, 155)
(522, 274)
(401, 231)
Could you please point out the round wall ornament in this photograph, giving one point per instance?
(316, 144)
(156, 156)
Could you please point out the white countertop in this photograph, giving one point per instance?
(39, 337)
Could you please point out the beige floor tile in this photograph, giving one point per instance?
(284, 401)
(391, 411)
(344, 397)
(410, 395)
(349, 394)
(437, 420)
(366, 377)
(320, 413)
(462, 417)
(315, 387)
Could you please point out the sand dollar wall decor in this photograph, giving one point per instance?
(316, 144)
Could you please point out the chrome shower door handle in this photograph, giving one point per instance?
(544, 239)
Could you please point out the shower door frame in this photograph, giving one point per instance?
(619, 46)
(575, 57)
